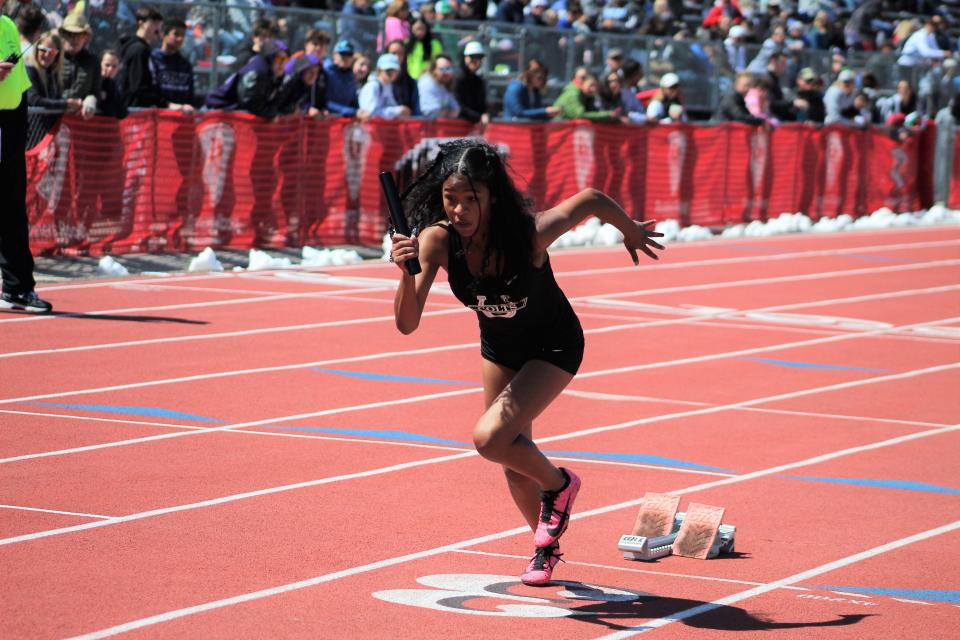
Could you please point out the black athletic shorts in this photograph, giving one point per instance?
(565, 352)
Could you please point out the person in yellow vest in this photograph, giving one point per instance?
(16, 261)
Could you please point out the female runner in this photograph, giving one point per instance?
(477, 227)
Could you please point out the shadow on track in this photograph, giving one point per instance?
(608, 613)
(114, 317)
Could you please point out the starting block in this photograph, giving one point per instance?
(698, 533)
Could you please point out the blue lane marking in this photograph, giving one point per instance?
(382, 434)
(383, 377)
(153, 412)
(935, 595)
(637, 457)
(815, 365)
(906, 485)
(406, 436)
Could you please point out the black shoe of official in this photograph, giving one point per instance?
(29, 301)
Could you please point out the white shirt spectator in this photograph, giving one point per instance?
(377, 99)
(436, 101)
(919, 47)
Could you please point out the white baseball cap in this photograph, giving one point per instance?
(669, 80)
(474, 48)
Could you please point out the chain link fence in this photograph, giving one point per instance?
(218, 33)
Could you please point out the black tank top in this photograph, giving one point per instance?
(527, 305)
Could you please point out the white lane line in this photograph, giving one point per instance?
(847, 593)
(371, 440)
(540, 441)
(762, 257)
(451, 309)
(190, 305)
(755, 350)
(471, 542)
(930, 604)
(757, 325)
(243, 372)
(180, 277)
(696, 287)
(55, 511)
(44, 414)
(222, 334)
(656, 323)
(459, 392)
(615, 397)
(375, 265)
(823, 275)
(784, 582)
(623, 569)
(36, 535)
(252, 423)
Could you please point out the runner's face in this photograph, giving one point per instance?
(468, 211)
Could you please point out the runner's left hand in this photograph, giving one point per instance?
(641, 238)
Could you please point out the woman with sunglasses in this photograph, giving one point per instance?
(45, 70)
(436, 90)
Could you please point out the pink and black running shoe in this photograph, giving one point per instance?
(555, 507)
(540, 569)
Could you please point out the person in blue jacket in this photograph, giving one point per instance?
(523, 99)
(342, 90)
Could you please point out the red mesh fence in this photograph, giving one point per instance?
(164, 181)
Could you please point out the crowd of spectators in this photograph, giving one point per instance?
(410, 72)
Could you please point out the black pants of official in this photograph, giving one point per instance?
(16, 262)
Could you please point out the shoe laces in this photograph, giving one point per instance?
(547, 499)
(543, 556)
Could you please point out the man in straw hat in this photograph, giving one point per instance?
(81, 69)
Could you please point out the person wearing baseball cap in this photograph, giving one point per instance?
(376, 96)
(341, 83)
(469, 88)
(841, 101)
(666, 105)
(809, 97)
(81, 69)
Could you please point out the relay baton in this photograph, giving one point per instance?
(397, 217)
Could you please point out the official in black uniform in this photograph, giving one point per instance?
(16, 261)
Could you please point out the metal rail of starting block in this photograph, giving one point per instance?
(649, 549)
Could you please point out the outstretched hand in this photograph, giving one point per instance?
(641, 239)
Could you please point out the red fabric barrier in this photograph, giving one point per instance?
(163, 181)
(953, 197)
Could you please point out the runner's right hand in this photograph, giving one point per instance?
(403, 249)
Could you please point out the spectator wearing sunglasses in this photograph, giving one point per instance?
(436, 90)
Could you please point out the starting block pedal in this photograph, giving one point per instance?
(648, 549)
(703, 536)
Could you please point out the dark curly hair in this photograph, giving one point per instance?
(510, 237)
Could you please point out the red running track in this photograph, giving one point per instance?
(263, 455)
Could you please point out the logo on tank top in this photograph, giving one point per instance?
(506, 308)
